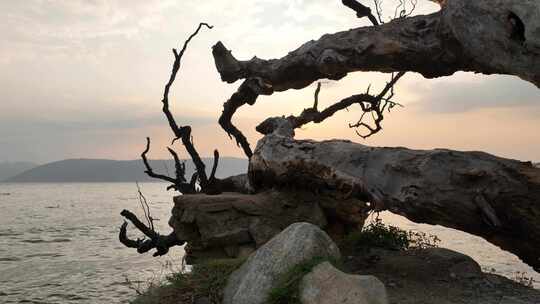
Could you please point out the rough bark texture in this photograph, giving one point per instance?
(489, 196)
(234, 225)
(483, 36)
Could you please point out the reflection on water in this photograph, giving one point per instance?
(59, 242)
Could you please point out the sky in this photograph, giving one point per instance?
(84, 79)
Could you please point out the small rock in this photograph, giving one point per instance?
(327, 285)
(300, 242)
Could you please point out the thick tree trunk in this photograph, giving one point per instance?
(483, 36)
(492, 197)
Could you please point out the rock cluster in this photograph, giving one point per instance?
(299, 243)
(233, 225)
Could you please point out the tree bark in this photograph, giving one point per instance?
(483, 36)
(492, 197)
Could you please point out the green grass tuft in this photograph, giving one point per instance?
(207, 279)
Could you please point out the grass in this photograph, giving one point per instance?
(207, 279)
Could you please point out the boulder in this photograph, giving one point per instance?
(233, 225)
(327, 285)
(453, 264)
(300, 242)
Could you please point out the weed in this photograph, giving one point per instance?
(205, 280)
(379, 235)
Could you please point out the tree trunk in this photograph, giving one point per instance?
(492, 197)
(482, 36)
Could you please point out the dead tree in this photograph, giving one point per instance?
(495, 198)
(485, 36)
(489, 196)
(200, 182)
(492, 197)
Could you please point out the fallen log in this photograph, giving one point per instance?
(488, 196)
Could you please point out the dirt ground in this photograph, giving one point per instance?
(439, 276)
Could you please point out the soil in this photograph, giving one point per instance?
(439, 276)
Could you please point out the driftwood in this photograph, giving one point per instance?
(483, 36)
(334, 184)
(200, 182)
(492, 197)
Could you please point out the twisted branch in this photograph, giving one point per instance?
(231, 70)
(182, 133)
(361, 10)
(247, 93)
(375, 104)
(161, 243)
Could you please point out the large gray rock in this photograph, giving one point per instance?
(300, 242)
(327, 285)
(233, 225)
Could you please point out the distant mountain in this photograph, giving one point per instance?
(102, 170)
(10, 169)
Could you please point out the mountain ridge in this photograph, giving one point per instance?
(9, 169)
(106, 170)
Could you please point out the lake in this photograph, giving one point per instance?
(59, 243)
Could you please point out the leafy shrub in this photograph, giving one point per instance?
(422, 240)
(379, 235)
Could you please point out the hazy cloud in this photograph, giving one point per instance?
(469, 93)
(85, 78)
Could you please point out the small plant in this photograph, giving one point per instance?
(523, 279)
(422, 240)
(379, 235)
(287, 289)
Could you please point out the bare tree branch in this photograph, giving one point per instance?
(184, 132)
(369, 104)
(178, 182)
(377, 107)
(161, 243)
(434, 45)
(149, 170)
(316, 96)
(247, 93)
(214, 167)
(361, 10)
(179, 166)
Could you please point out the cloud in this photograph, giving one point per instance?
(85, 78)
(467, 92)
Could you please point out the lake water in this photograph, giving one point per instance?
(59, 243)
